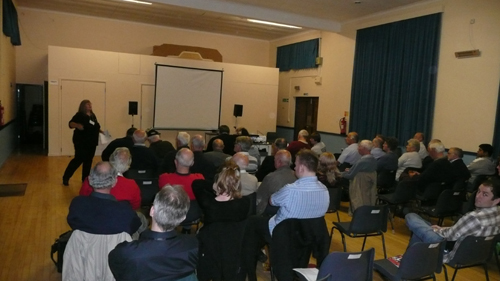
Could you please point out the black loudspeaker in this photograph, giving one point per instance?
(132, 108)
(238, 110)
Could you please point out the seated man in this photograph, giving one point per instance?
(377, 151)
(482, 165)
(295, 146)
(349, 155)
(409, 159)
(168, 164)
(125, 189)
(183, 177)
(121, 142)
(160, 253)
(267, 165)
(483, 221)
(101, 213)
(159, 147)
(248, 182)
(226, 138)
(363, 178)
(458, 168)
(143, 158)
(318, 146)
(388, 161)
(243, 144)
(201, 164)
(217, 156)
(274, 181)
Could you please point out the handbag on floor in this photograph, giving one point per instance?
(58, 247)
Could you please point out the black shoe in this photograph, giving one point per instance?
(65, 182)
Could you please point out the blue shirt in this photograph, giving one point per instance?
(306, 198)
(350, 154)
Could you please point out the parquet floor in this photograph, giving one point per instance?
(29, 224)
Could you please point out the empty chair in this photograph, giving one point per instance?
(473, 251)
(140, 174)
(149, 188)
(469, 205)
(419, 262)
(335, 200)
(404, 193)
(366, 221)
(341, 266)
(386, 180)
(448, 204)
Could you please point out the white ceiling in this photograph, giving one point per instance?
(229, 16)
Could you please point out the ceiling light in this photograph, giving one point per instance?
(273, 23)
(138, 2)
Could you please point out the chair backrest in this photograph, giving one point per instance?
(139, 174)
(86, 255)
(448, 202)
(386, 178)
(149, 188)
(369, 219)
(469, 205)
(473, 250)
(478, 180)
(348, 266)
(421, 260)
(405, 191)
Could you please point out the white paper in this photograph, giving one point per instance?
(104, 138)
(311, 274)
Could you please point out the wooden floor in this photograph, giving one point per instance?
(30, 223)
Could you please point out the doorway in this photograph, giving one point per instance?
(306, 114)
(32, 111)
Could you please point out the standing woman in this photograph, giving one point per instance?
(85, 139)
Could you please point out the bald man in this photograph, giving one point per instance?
(217, 156)
(143, 158)
(249, 183)
(295, 146)
(350, 154)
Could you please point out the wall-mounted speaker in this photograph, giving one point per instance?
(238, 110)
(132, 108)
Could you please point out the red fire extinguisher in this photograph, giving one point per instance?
(342, 125)
(2, 109)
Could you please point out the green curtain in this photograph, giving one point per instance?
(394, 78)
(10, 24)
(300, 55)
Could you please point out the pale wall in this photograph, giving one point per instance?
(43, 28)
(252, 86)
(467, 89)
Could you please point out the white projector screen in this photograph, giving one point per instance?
(187, 98)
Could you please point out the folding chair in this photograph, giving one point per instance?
(448, 204)
(419, 262)
(140, 174)
(341, 266)
(472, 251)
(404, 193)
(366, 221)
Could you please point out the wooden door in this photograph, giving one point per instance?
(306, 114)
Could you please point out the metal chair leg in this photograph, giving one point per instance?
(445, 272)
(383, 245)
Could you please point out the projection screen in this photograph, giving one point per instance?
(187, 98)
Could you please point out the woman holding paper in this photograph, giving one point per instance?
(85, 139)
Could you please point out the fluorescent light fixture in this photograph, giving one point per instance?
(273, 23)
(138, 2)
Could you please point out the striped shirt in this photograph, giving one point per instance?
(480, 222)
(306, 198)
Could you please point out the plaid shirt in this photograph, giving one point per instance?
(480, 222)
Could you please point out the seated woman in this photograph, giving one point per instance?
(221, 236)
(327, 170)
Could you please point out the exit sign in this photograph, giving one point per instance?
(285, 100)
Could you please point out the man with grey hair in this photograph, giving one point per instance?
(248, 182)
(143, 158)
(438, 175)
(125, 189)
(267, 165)
(101, 213)
(243, 144)
(349, 155)
(201, 164)
(409, 159)
(362, 178)
(181, 141)
(295, 146)
(160, 253)
(274, 181)
(217, 156)
(184, 160)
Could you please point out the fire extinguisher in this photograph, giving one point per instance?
(342, 125)
(2, 109)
